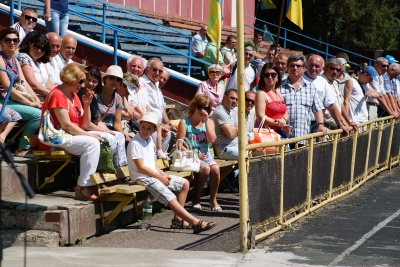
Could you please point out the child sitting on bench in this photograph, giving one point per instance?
(143, 171)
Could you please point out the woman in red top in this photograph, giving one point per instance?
(269, 101)
(66, 110)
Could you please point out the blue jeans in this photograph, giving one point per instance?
(228, 153)
(58, 22)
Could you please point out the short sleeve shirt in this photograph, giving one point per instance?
(206, 88)
(39, 69)
(198, 44)
(156, 98)
(222, 116)
(138, 148)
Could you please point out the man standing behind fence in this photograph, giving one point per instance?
(301, 99)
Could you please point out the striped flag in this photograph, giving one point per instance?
(214, 22)
(267, 4)
(294, 12)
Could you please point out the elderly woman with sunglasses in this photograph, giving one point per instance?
(34, 53)
(27, 106)
(269, 102)
(200, 131)
(110, 102)
(66, 111)
(211, 87)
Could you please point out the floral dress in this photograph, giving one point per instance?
(198, 140)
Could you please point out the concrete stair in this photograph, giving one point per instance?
(52, 218)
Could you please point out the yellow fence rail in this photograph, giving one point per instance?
(290, 184)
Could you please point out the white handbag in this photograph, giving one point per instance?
(51, 136)
(185, 160)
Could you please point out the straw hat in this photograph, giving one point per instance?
(114, 70)
(150, 117)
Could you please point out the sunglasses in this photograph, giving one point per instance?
(248, 54)
(41, 48)
(118, 79)
(157, 70)
(200, 107)
(333, 69)
(218, 72)
(270, 74)
(295, 65)
(11, 40)
(251, 101)
(27, 17)
(384, 66)
(82, 81)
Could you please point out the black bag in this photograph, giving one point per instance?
(134, 125)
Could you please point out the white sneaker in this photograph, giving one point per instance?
(162, 155)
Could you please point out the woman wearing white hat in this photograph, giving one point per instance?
(110, 102)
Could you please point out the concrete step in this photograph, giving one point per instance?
(34, 238)
(10, 183)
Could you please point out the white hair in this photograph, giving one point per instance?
(132, 57)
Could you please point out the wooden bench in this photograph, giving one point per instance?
(123, 193)
(42, 156)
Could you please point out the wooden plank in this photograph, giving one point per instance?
(224, 163)
(180, 174)
(130, 189)
(101, 178)
(162, 164)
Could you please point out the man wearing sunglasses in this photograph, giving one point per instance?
(327, 90)
(27, 22)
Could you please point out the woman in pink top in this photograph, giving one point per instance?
(269, 102)
(211, 87)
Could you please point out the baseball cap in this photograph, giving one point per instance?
(370, 71)
(391, 59)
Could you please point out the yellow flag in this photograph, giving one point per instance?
(268, 4)
(214, 22)
(295, 12)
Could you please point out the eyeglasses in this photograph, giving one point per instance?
(157, 70)
(82, 81)
(270, 74)
(41, 48)
(233, 98)
(11, 40)
(27, 17)
(384, 66)
(251, 101)
(217, 72)
(333, 69)
(200, 107)
(295, 65)
(248, 54)
(118, 79)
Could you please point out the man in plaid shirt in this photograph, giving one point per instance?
(301, 98)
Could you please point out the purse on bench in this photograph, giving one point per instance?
(185, 160)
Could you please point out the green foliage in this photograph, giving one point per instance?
(286, 227)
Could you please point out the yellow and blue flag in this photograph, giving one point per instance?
(214, 22)
(294, 12)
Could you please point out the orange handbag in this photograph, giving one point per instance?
(264, 135)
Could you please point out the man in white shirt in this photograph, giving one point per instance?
(55, 46)
(151, 79)
(27, 22)
(199, 42)
(228, 51)
(250, 72)
(329, 96)
(63, 58)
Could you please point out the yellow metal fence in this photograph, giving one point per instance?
(284, 187)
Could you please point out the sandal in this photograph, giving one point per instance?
(176, 224)
(197, 207)
(216, 208)
(198, 229)
(84, 193)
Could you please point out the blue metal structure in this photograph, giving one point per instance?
(8, 92)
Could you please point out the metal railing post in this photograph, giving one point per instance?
(326, 52)
(103, 28)
(189, 68)
(12, 12)
(19, 5)
(284, 36)
(8, 92)
(115, 47)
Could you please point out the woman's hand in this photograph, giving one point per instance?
(281, 122)
(36, 104)
(204, 116)
(202, 156)
(136, 115)
(87, 97)
(288, 129)
(127, 137)
(97, 136)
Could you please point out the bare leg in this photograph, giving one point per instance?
(214, 184)
(181, 197)
(200, 181)
(5, 129)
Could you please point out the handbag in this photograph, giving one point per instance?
(106, 164)
(51, 136)
(264, 135)
(185, 160)
(20, 86)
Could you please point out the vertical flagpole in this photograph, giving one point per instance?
(279, 26)
(243, 190)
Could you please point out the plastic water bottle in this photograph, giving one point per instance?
(147, 213)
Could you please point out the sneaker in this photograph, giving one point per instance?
(162, 155)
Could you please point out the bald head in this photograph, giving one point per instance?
(281, 62)
(314, 66)
(55, 43)
(203, 31)
(68, 47)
